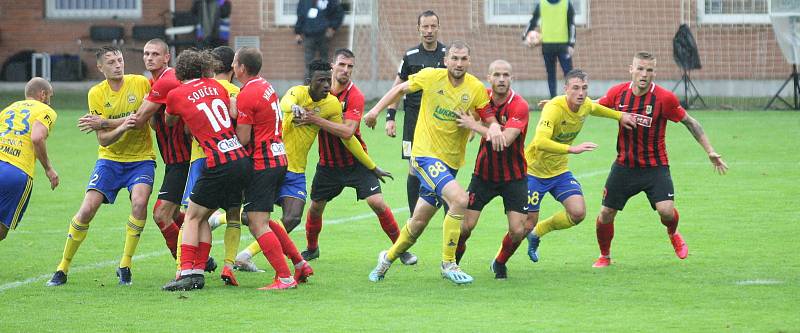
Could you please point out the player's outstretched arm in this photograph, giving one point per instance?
(543, 138)
(391, 112)
(145, 112)
(107, 137)
(39, 137)
(354, 146)
(494, 133)
(625, 119)
(391, 97)
(696, 129)
(344, 130)
(90, 122)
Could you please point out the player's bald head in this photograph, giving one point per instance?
(36, 85)
(499, 63)
(160, 43)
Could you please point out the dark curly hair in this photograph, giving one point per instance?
(193, 64)
(319, 65)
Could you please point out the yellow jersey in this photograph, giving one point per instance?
(437, 134)
(298, 139)
(135, 144)
(16, 125)
(197, 151)
(557, 128)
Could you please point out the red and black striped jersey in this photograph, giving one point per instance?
(509, 164)
(332, 152)
(644, 146)
(258, 106)
(173, 142)
(203, 106)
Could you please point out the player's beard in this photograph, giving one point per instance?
(457, 74)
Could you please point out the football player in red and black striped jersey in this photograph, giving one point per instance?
(642, 163)
(203, 105)
(259, 129)
(500, 171)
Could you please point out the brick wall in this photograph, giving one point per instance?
(23, 26)
(617, 29)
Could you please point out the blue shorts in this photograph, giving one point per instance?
(195, 171)
(433, 175)
(15, 192)
(108, 177)
(560, 187)
(294, 186)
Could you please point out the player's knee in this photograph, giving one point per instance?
(607, 215)
(3, 232)
(85, 215)
(316, 209)
(577, 216)
(139, 209)
(375, 202)
(518, 232)
(290, 222)
(666, 214)
(459, 202)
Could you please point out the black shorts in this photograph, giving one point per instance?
(223, 185)
(623, 183)
(262, 191)
(174, 182)
(409, 124)
(514, 194)
(329, 182)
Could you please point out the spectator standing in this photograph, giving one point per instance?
(556, 22)
(317, 22)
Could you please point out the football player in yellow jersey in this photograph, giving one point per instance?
(561, 120)
(298, 136)
(126, 159)
(24, 127)
(438, 152)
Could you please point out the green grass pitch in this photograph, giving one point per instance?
(742, 273)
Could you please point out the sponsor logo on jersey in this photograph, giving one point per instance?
(642, 120)
(229, 144)
(444, 114)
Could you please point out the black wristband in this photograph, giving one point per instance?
(390, 114)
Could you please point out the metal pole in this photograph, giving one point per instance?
(374, 43)
(352, 26)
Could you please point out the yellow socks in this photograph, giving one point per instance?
(403, 243)
(132, 232)
(178, 249)
(451, 230)
(253, 249)
(233, 233)
(76, 235)
(558, 221)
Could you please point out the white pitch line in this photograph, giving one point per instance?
(16, 284)
(758, 282)
(107, 263)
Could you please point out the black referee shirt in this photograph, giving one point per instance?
(415, 59)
